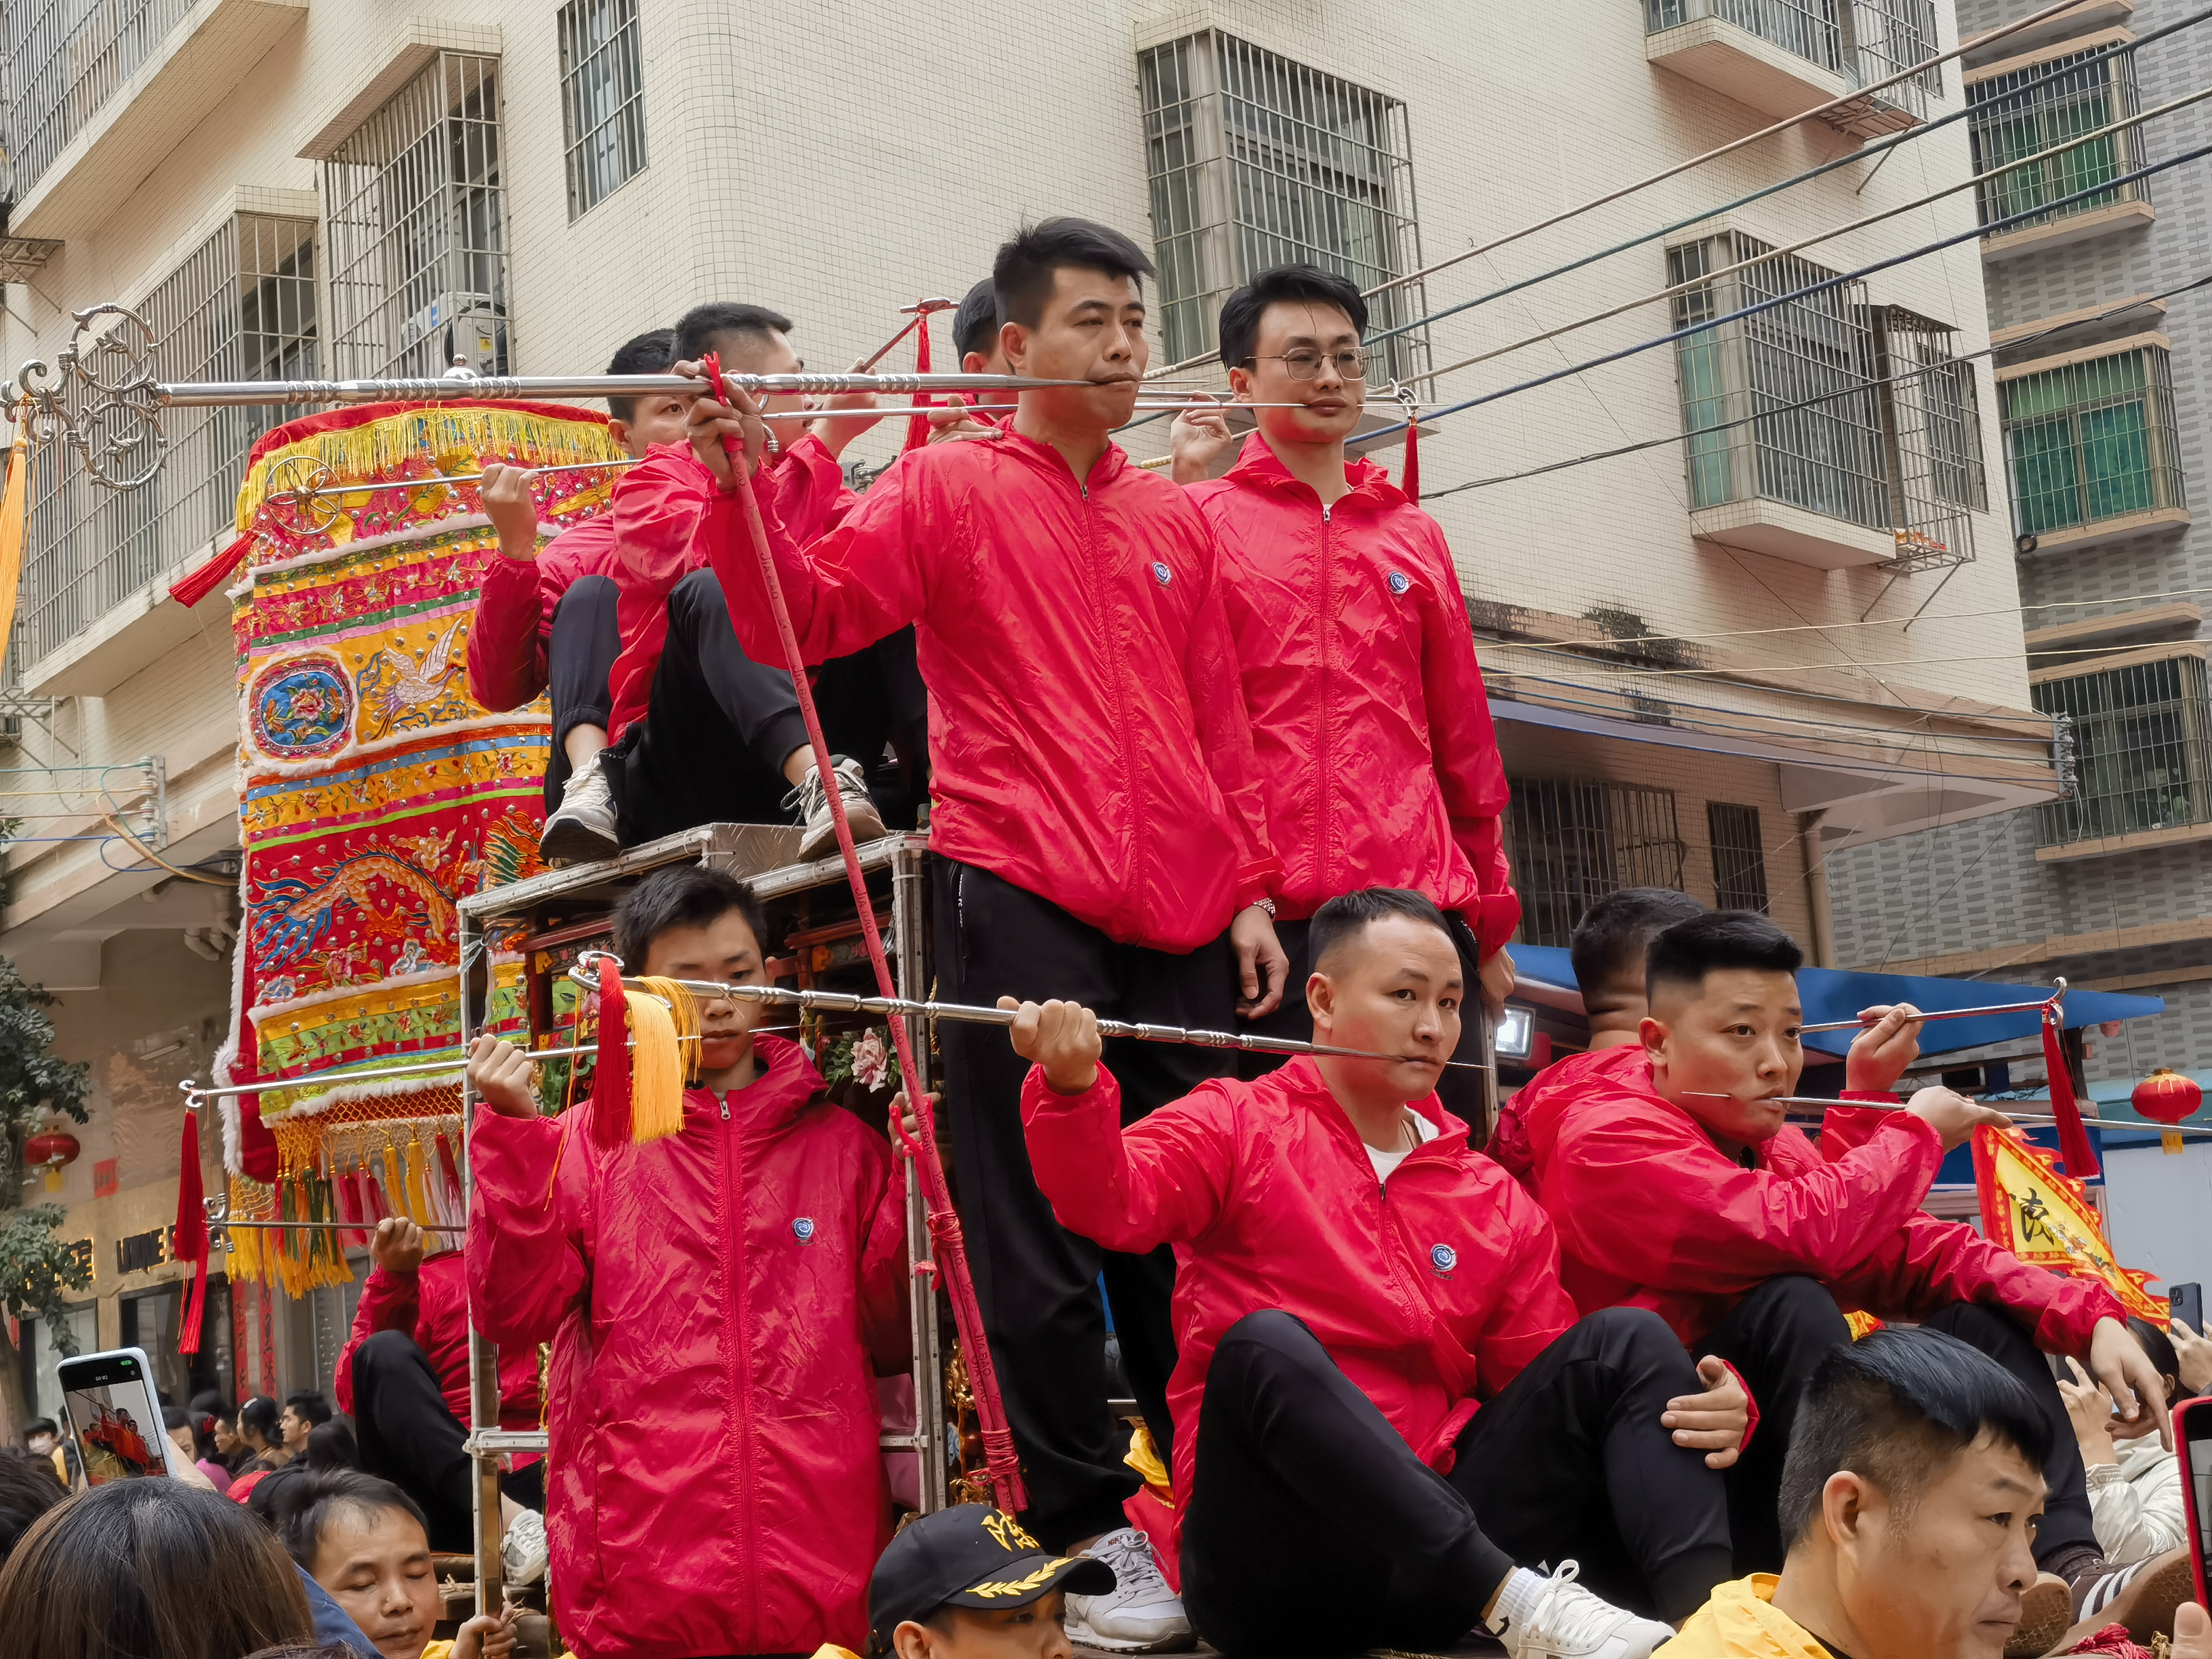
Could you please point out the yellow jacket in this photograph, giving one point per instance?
(1741, 1622)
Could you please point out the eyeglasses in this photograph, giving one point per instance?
(1351, 365)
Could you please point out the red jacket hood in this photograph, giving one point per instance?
(784, 1085)
(1371, 737)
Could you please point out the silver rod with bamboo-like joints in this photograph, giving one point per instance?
(1810, 1109)
(194, 1093)
(2056, 1000)
(218, 1211)
(849, 1002)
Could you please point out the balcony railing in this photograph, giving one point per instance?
(65, 58)
(2142, 751)
(2092, 441)
(1858, 41)
(2095, 94)
(1575, 840)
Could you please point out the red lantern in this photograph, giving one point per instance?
(2166, 1096)
(49, 1150)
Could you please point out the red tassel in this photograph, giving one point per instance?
(452, 1174)
(191, 1238)
(1411, 484)
(917, 426)
(257, 1147)
(348, 1191)
(610, 1080)
(2074, 1148)
(200, 583)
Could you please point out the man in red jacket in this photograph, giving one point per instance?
(1676, 1186)
(545, 619)
(1371, 726)
(1384, 1399)
(702, 730)
(718, 1303)
(404, 1375)
(1096, 810)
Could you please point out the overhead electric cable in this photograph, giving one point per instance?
(1741, 669)
(1822, 286)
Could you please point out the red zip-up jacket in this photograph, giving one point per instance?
(431, 1305)
(1371, 724)
(656, 510)
(714, 1301)
(1431, 1291)
(1087, 736)
(513, 619)
(1651, 1214)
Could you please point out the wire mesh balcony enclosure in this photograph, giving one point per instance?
(1932, 432)
(1858, 41)
(413, 234)
(1254, 161)
(602, 98)
(2094, 94)
(241, 307)
(65, 58)
(1572, 841)
(2142, 755)
(1738, 857)
(2092, 441)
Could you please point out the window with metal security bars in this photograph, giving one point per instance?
(65, 60)
(1781, 405)
(1738, 857)
(1932, 435)
(2092, 440)
(602, 98)
(413, 237)
(1861, 41)
(1254, 161)
(2095, 94)
(1572, 841)
(241, 307)
(2143, 755)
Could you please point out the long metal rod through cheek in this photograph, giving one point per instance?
(2056, 1000)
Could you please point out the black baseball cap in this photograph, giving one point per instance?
(970, 1556)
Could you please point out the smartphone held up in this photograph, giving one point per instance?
(110, 1411)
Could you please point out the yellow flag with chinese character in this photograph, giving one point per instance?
(14, 521)
(2047, 1218)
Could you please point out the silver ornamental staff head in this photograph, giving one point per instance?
(100, 398)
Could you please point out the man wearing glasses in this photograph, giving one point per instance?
(1369, 724)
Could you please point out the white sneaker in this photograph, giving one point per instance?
(522, 1552)
(1560, 1619)
(1140, 1614)
(583, 827)
(813, 801)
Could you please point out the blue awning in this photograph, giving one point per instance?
(1830, 993)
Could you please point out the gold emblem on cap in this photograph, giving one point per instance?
(1020, 1586)
(1008, 1531)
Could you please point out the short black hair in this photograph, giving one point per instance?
(1242, 310)
(310, 1500)
(1685, 953)
(1614, 936)
(698, 329)
(1021, 275)
(332, 1446)
(2158, 1348)
(40, 1426)
(28, 1488)
(680, 895)
(649, 353)
(1348, 916)
(976, 324)
(1894, 1407)
(309, 1406)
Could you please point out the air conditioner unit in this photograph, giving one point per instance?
(469, 327)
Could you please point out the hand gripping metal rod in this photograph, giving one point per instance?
(848, 1002)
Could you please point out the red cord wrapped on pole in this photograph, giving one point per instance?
(1001, 1461)
(2080, 1159)
(191, 1243)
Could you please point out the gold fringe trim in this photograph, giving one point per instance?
(453, 437)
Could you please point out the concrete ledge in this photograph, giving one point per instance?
(2110, 846)
(2115, 627)
(1752, 70)
(2149, 304)
(129, 636)
(2061, 232)
(2056, 947)
(188, 76)
(2112, 530)
(1788, 532)
(415, 42)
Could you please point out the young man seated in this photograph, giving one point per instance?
(404, 1375)
(718, 1303)
(1676, 1186)
(1911, 1494)
(1384, 1400)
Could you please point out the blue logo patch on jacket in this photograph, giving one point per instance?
(1442, 1258)
(1161, 573)
(1399, 581)
(803, 1229)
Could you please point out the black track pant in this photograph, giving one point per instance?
(1460, 1092)
(1779, 1331)
(579, 656)
(1313, 1529)
(716, 732)
(409, 1435)
(1035, 1280)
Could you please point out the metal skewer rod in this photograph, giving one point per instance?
(2056, 1000)
(314, 491)
(848, 1002)
(218, 1211)
(508, 388)
(194, 1093)
(917, 311)
(1811, 1107)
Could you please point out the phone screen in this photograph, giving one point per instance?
(113, 1416)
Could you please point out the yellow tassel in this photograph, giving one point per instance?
(418, 1200)
(395, 1189)
(658, 1073)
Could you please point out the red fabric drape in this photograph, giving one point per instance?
(2074, 1148)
